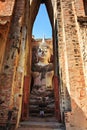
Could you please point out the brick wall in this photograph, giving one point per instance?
(6, 7)
(5, 94)
(65, 103)
(79, 6)
(71, 64)
(13, 79)
(83, 46)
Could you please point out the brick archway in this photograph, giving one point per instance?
(34, 7)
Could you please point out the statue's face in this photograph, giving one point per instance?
(43, 52)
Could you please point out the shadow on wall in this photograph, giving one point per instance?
(2, 48)
(65, 100)
(2, 0)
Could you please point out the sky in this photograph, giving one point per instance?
(42, 26)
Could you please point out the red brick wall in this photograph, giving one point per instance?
(11, 83)
(5, 94)
(79, 6)
(6, 7)
(71, 64)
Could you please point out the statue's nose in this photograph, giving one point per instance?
(42, 52)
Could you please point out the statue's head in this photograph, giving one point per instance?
(43, 51)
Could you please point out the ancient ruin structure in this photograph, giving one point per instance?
(69, 28)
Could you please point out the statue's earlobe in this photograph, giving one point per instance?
(49, 60)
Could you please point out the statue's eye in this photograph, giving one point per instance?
(39, 50)
(45, 50)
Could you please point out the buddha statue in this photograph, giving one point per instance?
(42, 74)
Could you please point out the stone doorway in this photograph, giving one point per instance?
(55, 96)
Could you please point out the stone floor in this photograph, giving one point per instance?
(38, 129)
(41, 124)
